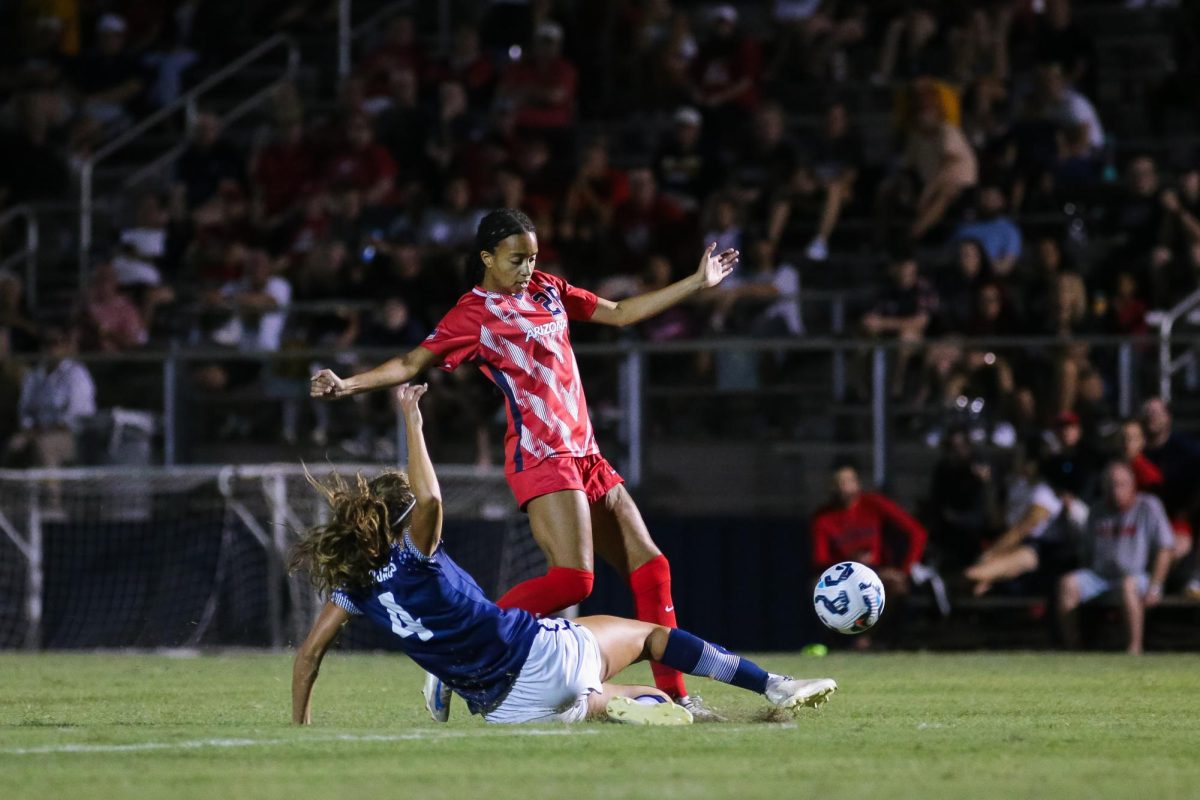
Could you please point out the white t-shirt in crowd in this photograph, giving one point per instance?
(265, 332)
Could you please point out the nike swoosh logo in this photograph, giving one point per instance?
(669, 609)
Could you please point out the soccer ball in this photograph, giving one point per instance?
(849, 597)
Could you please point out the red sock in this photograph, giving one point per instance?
(651, 585)
(557, 589)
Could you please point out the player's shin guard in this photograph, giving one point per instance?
(651, 585)
(559, 588)
(698, 657)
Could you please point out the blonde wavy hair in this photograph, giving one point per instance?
(343, 552)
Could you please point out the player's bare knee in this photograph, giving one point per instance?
(656, 642)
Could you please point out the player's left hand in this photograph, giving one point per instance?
(714, 268)
(409, 396)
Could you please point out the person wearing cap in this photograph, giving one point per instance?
(543, 85)
(109, 76)
(1129, 543)
(681, 166)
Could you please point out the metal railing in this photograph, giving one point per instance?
(1166, 321)
(28, 252)
(638, 383)
(187, 104)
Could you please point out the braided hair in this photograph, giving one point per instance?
(494, 228)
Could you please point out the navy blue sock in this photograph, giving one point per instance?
(690, 654)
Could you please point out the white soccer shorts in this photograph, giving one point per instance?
(564, 667)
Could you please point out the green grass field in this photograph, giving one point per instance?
(909, 726)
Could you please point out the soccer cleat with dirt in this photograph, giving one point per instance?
(628, 711)
(793, 694)
(701, 711)
(437, 698)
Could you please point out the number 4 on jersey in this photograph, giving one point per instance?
(403, 622)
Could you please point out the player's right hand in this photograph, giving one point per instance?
(326, 385)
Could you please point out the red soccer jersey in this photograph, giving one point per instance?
(844, 534)
(523, 345)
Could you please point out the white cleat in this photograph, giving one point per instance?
(793, 694)
(630, 712)
(701, 711)
(437, 698)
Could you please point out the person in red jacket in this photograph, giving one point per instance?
(851, 528)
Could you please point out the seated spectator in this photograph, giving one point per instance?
(451, 132)
(208, 162)
(1127, 310)
(1177, 457)
(109, 77)
(648, 222)
(469, 66)
(15, 320)
(403, 125)
(959, 286)
(963, 502)
(399, 51)
(765, 160)
(284, 172)
(682, 167)
(1035, 535)
(937, 166)
(1179, 236)
(911, 42)
(364, 164)
(994, 230)
(1073, 458)
(1039, 282)
(726, 73)
(108, 320)
(763, 299)
(992, 316)
(32, 167)
(12, 375)
(722, 223)
(592, 198)
(1132, 222)
(56, 397)
(824, 183)
(903, 310)
(1149, 478)
(1066, 107)
(451, 225)
(1129, 541)
(852, 527)
(543, 85)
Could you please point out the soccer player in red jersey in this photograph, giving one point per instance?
(513, 327)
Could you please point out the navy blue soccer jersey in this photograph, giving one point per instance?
(446, 624)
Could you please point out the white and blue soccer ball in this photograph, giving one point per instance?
(849, 597)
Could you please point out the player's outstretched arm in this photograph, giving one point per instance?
(426, 528)
(308, 660)
(712, 270)
(328, 386)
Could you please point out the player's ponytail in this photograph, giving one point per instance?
(494, 228)
(358, 537)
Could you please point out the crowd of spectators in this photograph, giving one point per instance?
(947, 162)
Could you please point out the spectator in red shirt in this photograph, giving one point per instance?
(467, 64)
(399, 50)
(283, 172)
(543, 86)
(648, 222)
(726, 72)
(364, 164)
(851, 528)
(109, 320)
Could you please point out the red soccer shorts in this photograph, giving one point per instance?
(592, 475)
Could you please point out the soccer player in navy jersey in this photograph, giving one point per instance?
(381, 556)
(513, 327)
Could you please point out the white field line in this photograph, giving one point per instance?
(200, 744)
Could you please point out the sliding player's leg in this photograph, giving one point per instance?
(562, 527)
(624, 641)
(622, 539)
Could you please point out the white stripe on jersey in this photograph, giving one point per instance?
(538, 406)
(533, 445)
(513, 318)
(539, 372)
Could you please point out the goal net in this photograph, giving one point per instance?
(186, 557)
